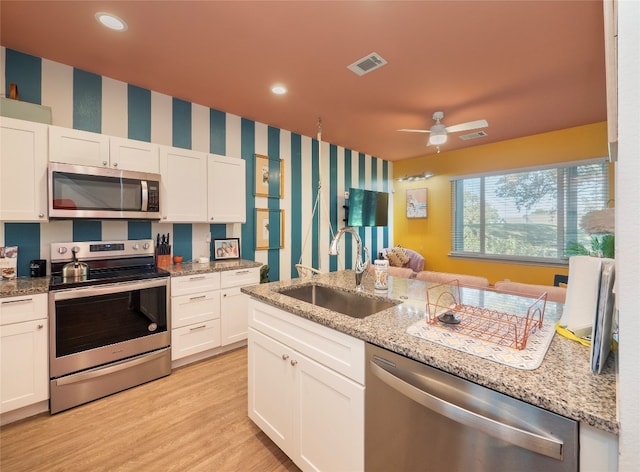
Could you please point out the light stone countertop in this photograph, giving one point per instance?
(32, 286)
(563, 384)
(190, 268)
(24, 286)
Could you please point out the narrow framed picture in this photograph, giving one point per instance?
(268, 221)
(417, 203)
(269, 177)
(225, 249)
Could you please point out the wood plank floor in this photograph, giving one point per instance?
(193, 420)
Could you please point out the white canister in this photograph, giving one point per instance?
(381, 272)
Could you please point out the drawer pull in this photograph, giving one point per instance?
(246, 271)
(198, 327)
(285, 357)
(294, 362)
(40, 326)
(202, 277)
(22, 300)
(198, 298)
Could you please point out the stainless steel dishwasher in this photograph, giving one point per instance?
(418, 418)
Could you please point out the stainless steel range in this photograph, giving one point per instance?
(109, 322)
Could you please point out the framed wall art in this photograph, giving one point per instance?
(268, 221)
(417, 203)
(267, 178)
(225, 249)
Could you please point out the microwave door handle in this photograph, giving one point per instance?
(145, 195)
(547, 446)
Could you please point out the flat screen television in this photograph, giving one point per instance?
(368, 208)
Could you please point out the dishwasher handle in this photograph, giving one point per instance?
(547, 446)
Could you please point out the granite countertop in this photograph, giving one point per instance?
(190, 268)
(32, 286)
(24, 286)
(563, 384)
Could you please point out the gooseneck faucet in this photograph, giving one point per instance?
(360, 265)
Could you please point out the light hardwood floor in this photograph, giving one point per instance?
(193, 420)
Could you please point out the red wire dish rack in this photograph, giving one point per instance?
(494, 326)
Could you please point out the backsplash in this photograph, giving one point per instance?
(86, 101)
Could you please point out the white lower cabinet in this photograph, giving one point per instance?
(313, 412)
(194, 339)
(24, 362)
(209, 310)
(234, 305)
(195, 314)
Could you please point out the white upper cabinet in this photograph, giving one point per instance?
(183, 189)
(135, 155)
(23, 170)
(226, 190)
(79, 147)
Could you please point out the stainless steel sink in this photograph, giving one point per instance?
(347, 303)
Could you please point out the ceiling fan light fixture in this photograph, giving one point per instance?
(438, 135)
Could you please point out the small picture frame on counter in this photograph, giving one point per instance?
(225, 249)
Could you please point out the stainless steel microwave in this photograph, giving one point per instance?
(101, 193)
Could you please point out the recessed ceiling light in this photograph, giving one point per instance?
(279, 89)
(111, 21)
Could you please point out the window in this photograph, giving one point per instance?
(529, 214)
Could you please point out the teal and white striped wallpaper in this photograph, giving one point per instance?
(83, 100)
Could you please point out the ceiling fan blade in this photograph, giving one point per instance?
(415, 130)
(467, 126)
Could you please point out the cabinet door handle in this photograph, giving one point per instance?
(104, 163)
(198, 327)
(285, 357)
(115, 164)
(40, 215)
(294, 362)
(40, 326)
(22, 300)
(197, 298)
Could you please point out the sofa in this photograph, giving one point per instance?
(404, 272)
(415, 262)
(554, 294)
(464, 280)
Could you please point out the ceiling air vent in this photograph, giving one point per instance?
(367, 64)
(477, 134)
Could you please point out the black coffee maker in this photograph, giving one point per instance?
(38, 267)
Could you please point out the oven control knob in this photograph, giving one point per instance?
(145, 246)
(136, 246)
(62, 250)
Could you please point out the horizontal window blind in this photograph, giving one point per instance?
(526, 214)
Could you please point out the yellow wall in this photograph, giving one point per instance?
(432, 236)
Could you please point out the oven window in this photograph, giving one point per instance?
(97, 321)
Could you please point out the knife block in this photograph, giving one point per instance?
(163, 260)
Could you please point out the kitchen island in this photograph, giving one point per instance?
(563, 384)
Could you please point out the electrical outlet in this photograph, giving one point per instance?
(208, 238)
(346, 195)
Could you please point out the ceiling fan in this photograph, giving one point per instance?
(438, 132)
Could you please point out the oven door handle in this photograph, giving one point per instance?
(92, 291)
(116, 367)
